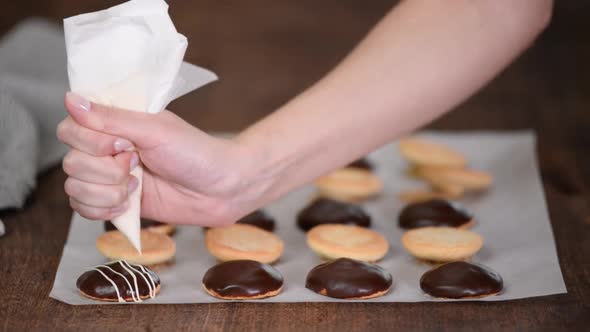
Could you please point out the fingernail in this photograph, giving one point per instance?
(120, 209)
(133, 162)
(122, 144)
(132, 185)
(78, 101)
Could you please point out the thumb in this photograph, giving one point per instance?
(138, 127)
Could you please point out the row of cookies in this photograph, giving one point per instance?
(159, 249)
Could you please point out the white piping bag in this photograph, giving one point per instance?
(130, 56)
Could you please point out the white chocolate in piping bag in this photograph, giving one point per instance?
(130, 56)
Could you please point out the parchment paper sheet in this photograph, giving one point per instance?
(512, 217)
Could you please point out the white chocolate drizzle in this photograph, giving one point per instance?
(119, 298)
(135, 296)
(151, 284)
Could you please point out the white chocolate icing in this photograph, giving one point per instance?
(132, 271)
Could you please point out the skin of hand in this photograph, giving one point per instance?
(420, 61)
(190, 177)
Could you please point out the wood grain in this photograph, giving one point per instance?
(266, 52)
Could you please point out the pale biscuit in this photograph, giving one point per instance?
(422, 152)
(332, 241)
(450, 190)
(349, 184)
(243, 241)
(441, 244)
(163, 229)
(468, 180)
(156, 248)
(253, 297)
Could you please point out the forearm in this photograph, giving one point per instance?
(420, 61)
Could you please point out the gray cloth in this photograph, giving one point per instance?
(33, 80)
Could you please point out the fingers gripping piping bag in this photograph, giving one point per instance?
(130, 56)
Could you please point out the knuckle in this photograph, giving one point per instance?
(90, 213)
(70, 188)
(109, 118)
(61, 131)
(102, 147)
(73, 204)
(68, 163)
(119, 195)
(119, 175)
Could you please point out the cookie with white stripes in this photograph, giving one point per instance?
(119, 281)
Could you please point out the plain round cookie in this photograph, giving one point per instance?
(446, 179)
(243, 241)
(147, 224)
(422, 152)
(441, 244)
(242, 280)
(332, 241)
(156, 248)
(349, 184)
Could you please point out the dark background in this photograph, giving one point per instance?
(266, 52)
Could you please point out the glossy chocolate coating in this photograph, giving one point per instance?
(347, 278)
(436, 213)
(461, 279)
(242, 278)
(145, 223)
(327, 211)
(259, 219)
(94, 284)
(363, 163)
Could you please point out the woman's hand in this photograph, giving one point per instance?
(190, 177)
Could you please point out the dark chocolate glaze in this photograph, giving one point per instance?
(145, 223)
(436, 212)
(461, 279)
(259, 219)
(94, 284)
(347, 278)
(242, 278)
(363, 163)
(327, 211)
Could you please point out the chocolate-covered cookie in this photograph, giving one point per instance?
(363, 163)
(328, 211)
(434, 213)
(150, 225)
(461, 280)
(119, 281)
(347, 278)
(260, 219)
(242, 280)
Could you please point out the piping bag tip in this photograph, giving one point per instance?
(129, 223)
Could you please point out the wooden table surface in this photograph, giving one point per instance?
(266, 51)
